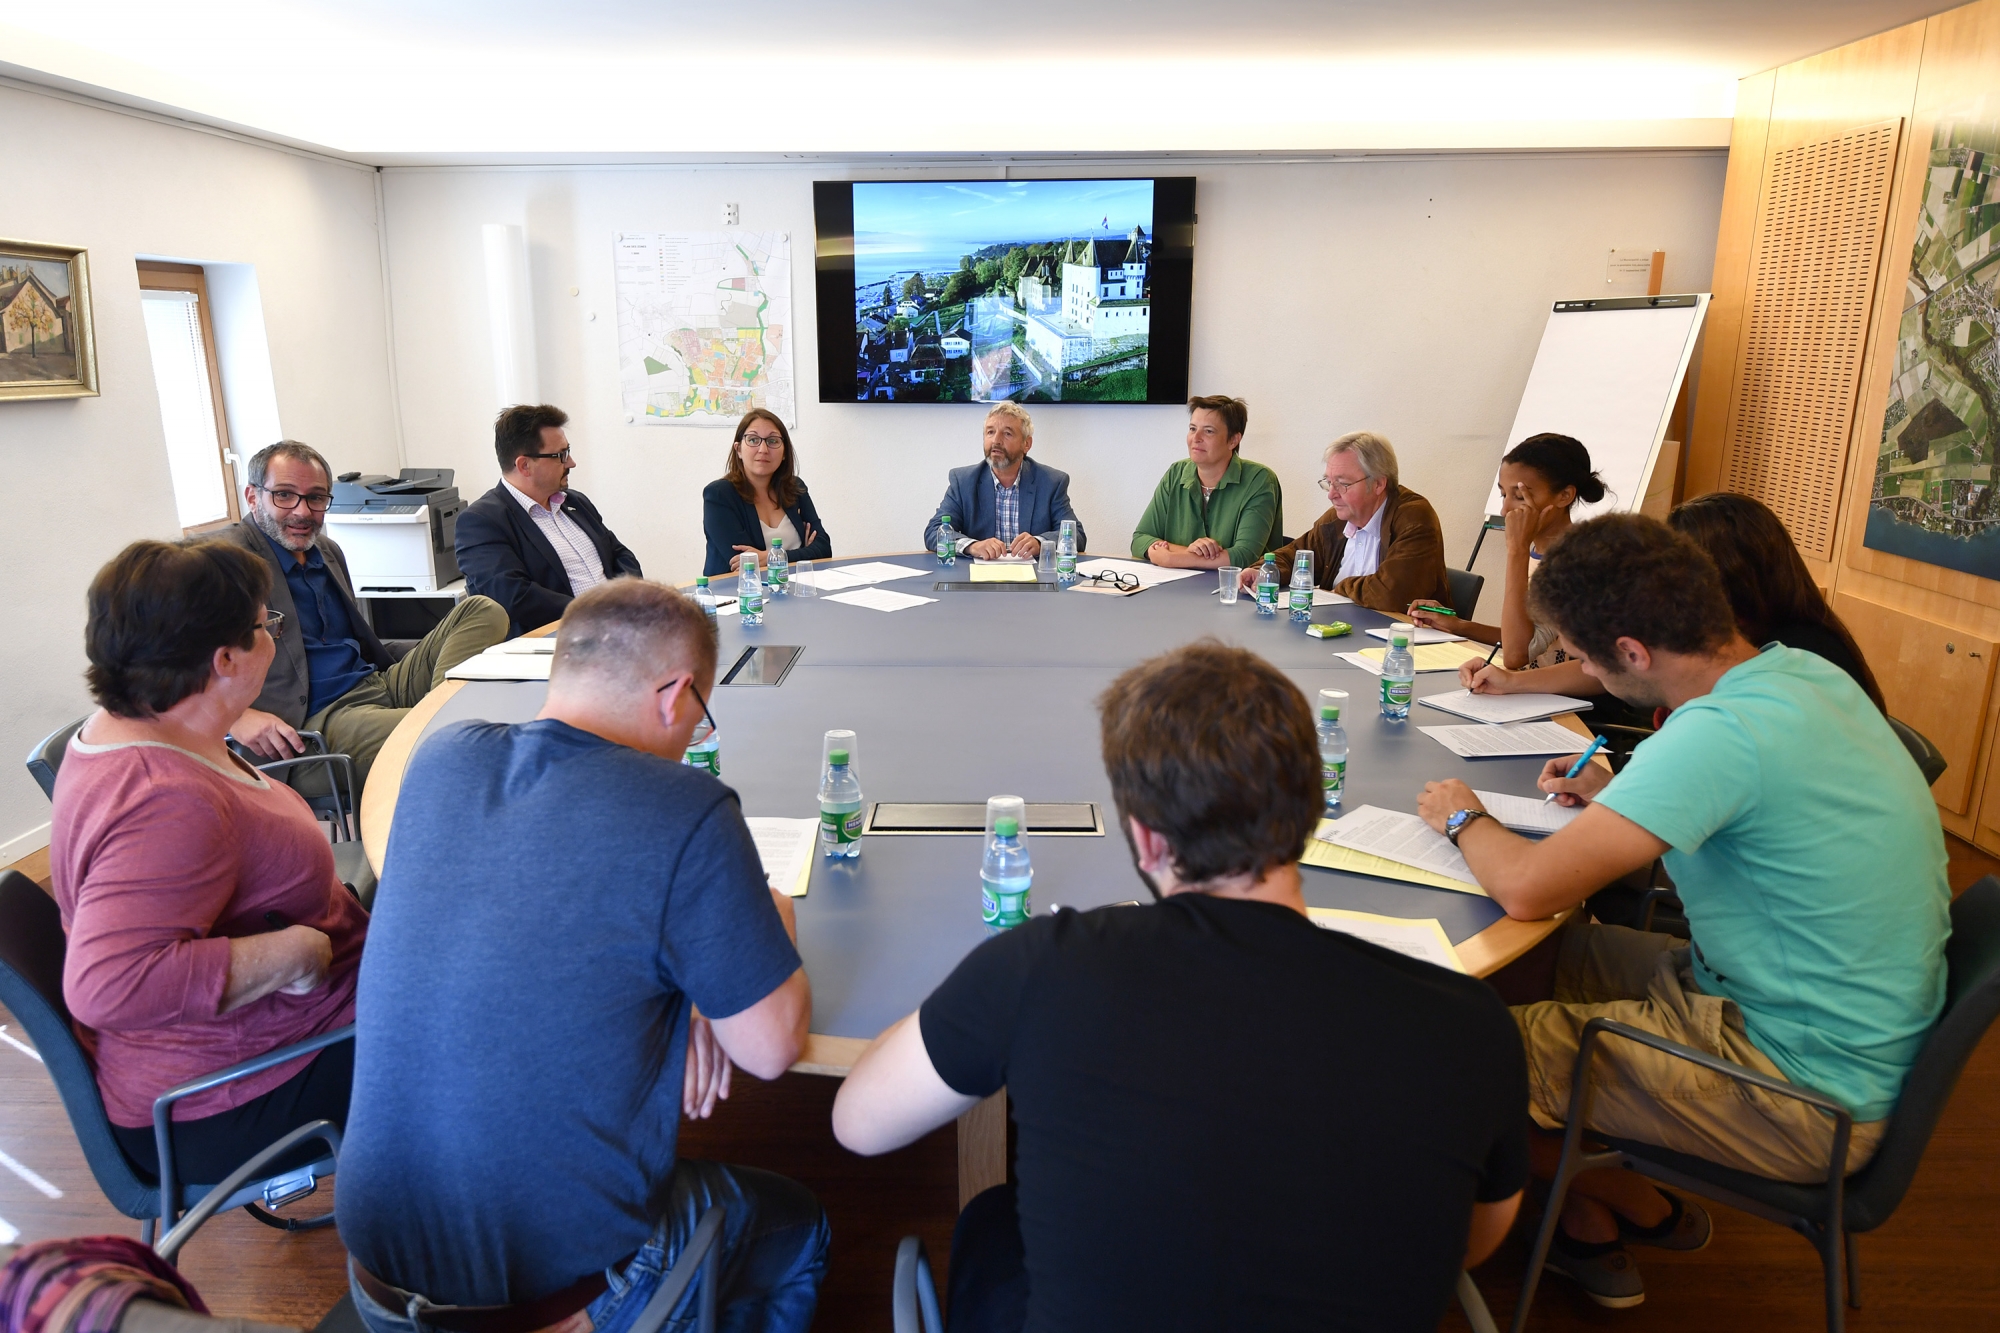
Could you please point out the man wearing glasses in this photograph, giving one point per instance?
(531, 543)
(331, 674)
(1379, 544)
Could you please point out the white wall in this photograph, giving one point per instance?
(1402, 295)
(86, 476)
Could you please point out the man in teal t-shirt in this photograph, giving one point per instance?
(1809, 856)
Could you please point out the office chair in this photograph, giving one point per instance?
(47, 756)
(1465, 589)
(1828, 1214)
(913, 1302)
(32, 947)
(1930, 760)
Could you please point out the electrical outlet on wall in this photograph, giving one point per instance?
(731, 215)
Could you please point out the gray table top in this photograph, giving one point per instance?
(986, 692)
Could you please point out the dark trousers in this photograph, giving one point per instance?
(989, 1273)
(208, 1149)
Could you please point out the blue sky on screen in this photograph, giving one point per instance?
(925, 217)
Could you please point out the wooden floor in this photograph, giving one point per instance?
(1935, 1268)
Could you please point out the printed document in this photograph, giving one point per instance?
(1149, 575)
(1504, 708)
(879, 571)
(1329, 856)
(1321, 597)
(879, 599)
(786, 847)
(1421, 938)
(1399, 837)
(1528, 814)
(832, 580)
(1521, 738)
(1428, 656)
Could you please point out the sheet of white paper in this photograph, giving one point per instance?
(1321, 597)
(1421, 634)
(1528, 814)
(1399, 837)
(1369, 665)
(1504, 708)
(1424, 939)
(879, 571)
(785, 846)
(1149, 576)
(492, 665)
(547, 645)
(832, 580)
(1483, 741)
(879, 599)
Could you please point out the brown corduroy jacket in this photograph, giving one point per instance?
(1412, 567)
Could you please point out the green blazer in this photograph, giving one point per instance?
(1245, 515)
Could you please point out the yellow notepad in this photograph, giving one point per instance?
(1415, 937)
(989, 572)
(1434, 656)
(1328, 856)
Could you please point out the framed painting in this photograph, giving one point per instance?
(46, 349)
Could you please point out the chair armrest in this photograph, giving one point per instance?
(913, 1298)
(170, 1243)
(339, 773)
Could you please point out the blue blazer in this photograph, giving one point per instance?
(729, 521)
(968, 498)
(505, 556)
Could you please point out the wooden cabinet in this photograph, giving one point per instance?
(1935, 677)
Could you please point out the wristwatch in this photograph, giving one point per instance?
(1459, 819)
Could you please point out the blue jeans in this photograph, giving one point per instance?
(774, 1239)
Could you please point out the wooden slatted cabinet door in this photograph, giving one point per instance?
(1934, 677)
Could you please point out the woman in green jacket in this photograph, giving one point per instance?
(1214, 508)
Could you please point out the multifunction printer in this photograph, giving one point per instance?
(397, 532)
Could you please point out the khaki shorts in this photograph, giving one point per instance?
(1644, 980)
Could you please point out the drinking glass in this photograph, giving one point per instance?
(802, 580)
(1226, 584)
(1045, 564)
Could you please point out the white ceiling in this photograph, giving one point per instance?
(442, 80)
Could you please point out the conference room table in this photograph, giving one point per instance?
(992, 689)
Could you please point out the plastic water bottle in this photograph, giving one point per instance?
(1005, 878)
(1332, 747)
(1399, 675)
(704, 599)
(947, 547)
(1302, 587)
(781, 569)
(1065, 558)
(703, 752)
(839, 808)
(749, 593)
(1267, 585)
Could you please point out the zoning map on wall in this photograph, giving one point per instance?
(1936, 473)
(705, 326)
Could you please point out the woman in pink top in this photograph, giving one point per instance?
(205, 923)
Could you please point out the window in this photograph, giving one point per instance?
(175, 300)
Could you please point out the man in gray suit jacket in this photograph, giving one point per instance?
(1007, 504)
(331, 674)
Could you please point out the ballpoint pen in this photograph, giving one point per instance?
(1577, 767)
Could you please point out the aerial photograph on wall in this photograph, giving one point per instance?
(1936, 473)
(979, 291)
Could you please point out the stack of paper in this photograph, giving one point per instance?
(879, 599)
(1329, 856)
(1417, 633)
(1528, 814)
(859, 576)
(1148, 575)
(1522, 738)
(1428, 656)
(785, 846)
(1421, 938)
(1003, 571)
(1402, 838)
(504, 663)
(1503, 708)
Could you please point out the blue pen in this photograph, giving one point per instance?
(1577, 767)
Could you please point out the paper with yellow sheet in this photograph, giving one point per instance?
(785, 846)
(1420, 937)
(1323, 852)
(1429, 656)
(1003, 571)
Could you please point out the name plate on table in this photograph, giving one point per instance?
(1073, 819)
(767, 664)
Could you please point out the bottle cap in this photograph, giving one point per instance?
(1271, 555)
(1329, 712)
(945, 518)
(701, 580)
(836, 757)
(1006, 828)
(777, 543)
(1401, 638)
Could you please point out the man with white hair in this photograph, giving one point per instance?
(1007, 504)
(1380, 543)
(576, 941)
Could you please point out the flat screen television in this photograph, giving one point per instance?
(1047, 291)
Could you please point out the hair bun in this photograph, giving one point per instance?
(1590, 489)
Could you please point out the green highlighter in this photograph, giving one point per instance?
(1332, 629)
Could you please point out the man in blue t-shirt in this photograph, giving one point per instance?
(572, 942)
(1809, 856)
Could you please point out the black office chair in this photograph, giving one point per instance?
(32, 947)
(1930, 760)
(1465, 589)
(47, 756)
(1828, 1214)
(913, 1301)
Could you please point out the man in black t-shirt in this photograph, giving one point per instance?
(1228, 1118)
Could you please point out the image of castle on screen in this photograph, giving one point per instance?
(978, 291)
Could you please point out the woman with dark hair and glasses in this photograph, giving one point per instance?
(760, 499)
(205, 922)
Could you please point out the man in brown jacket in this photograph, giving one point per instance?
(1380, 544)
